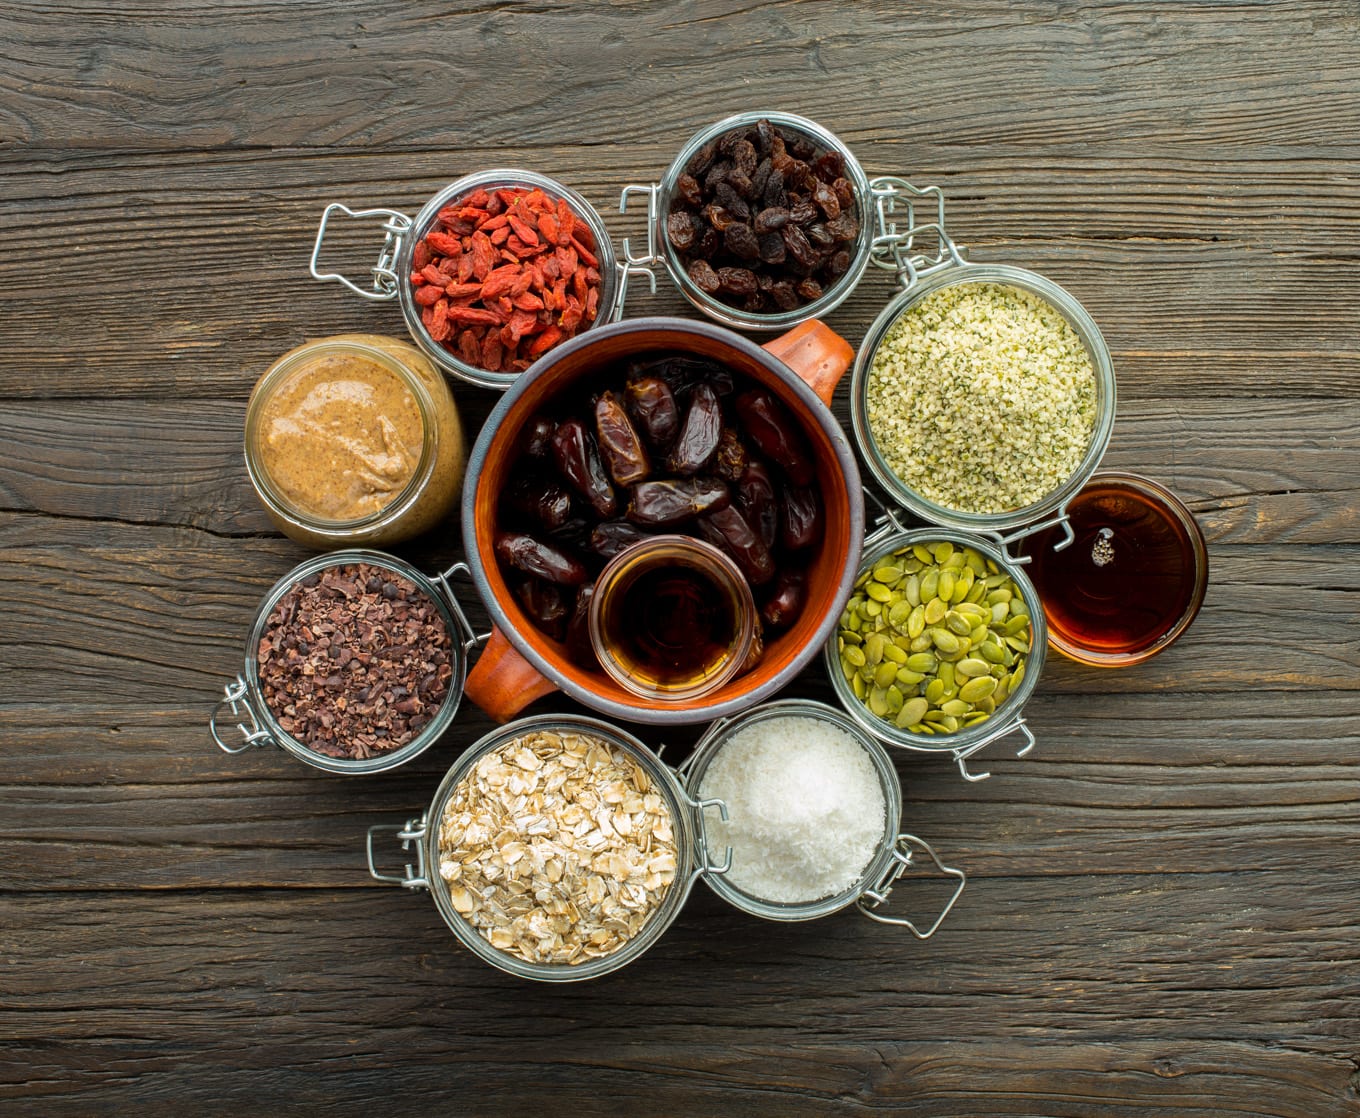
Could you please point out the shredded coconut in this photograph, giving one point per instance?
(805, 805)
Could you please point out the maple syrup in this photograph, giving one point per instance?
(671, 618)
(1131, 581)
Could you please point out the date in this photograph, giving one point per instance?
(775, 433)
(667, 503)
(577, 458)
(620, 445)
(534, 557)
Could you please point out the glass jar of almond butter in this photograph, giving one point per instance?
(354, 439)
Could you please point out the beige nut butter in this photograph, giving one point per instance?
(354, 439)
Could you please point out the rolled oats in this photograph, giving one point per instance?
(557, 848)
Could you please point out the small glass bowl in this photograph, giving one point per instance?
(612, 623)
(729, 315)
(245, 697)
(1136, 547)
(1096, 349)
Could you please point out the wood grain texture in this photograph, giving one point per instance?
(1161, 914)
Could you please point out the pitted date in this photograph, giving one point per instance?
(540, 501)
(612, 536)
(774, 432)
(800, 524)
(699, 433)
(652, 405)
(546, 605)
(534, 557)
(785, 603)
(757, 501)
(620, 444)
(578, 458)
(727, 529)
(667, 503)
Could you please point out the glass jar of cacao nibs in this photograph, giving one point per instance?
(355, 663)
(764, 220)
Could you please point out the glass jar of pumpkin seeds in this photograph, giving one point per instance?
(941, 643)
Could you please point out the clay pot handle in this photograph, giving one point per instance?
(817, 354)
(503, 682)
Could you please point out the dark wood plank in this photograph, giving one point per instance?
(857, 1032)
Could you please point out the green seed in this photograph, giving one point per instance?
(922, 662)
(912, 589)
(909, 678)
(894, 653)
(942, 551)
(898, 613)
(849, 636)
(913, 711)
(980, 688)
(895, 700)
(873, 648)
(990, 651)
(878, 592)
(945, 588)
(1018, 623)
(986, 705)
(936, 611)
(972, 667)
(916, 622)
(878, 701)
(944, 640)
(935, 690)
(957, 707)
(930, 584)
(999, 612)
(888, 573)
(854, 656)
(946, 673)
(871, 608)
(886, 674)
(1020, 644)
(958, 624)
(974, 559)
(975, 719)
(922, 552)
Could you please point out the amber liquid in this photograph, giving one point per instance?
(1124, 582)
(671, 626)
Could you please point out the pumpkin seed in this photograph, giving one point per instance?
(898, 613)
(888, 573)
(886, 674)
(945, 588)
(922, 662)
(913, 711)
(941, 551)
(958, 624)
(878, 592)
(945, 641)
(894, 653)
(912, 589)
(916, 622)
(854, 656)
(972, 667)
(980, 688)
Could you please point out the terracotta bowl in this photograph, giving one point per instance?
(801, 368)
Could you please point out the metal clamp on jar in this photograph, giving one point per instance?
(258, 724)
(392, 273)
(527, 939)
(930, 266)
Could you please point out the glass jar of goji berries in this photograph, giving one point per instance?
(494, 271)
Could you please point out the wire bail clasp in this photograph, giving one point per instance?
(895, 249)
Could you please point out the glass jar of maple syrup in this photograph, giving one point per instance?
(1133, 577)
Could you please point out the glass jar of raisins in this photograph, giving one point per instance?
(764, 220)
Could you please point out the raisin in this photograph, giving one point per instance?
(716, 174)
(744, 156)
(741, 242)
(680, 230)
(771, 218)
(732, 202)
(826, 198)
(774, 193)
(741, 184)
(701, 160)
(844, 227)
(704, 277)
(845, 193)
(810, 289)
(795, 240)
(802, 147)
(765, 136)
(829, 166)
(772, 249)
(802, 212)
(819, 235)
(710, 240)
(838, 265)
(737, 281)
(760, 178)
(717, 216)
(783, 294)
(687, 186)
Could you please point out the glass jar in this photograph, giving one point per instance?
(256, 724)
(354, 439)
(889, 863)
(694, 852)
(660, 197)
(392, 272)
(962, 743)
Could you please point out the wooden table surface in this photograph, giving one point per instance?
(1162, 911)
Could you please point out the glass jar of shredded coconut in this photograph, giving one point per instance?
(813, 807)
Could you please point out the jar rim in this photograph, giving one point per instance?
(1102, 368)
(966, 738)
(426, 736)
(610, 285)
(732, 316)
(276, 377)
